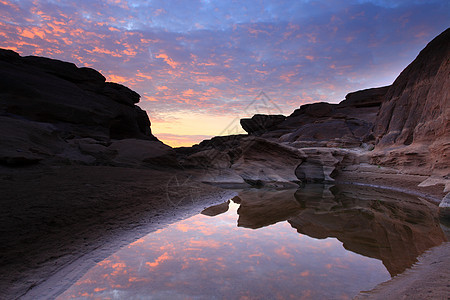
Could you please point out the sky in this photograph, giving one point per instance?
(201, 65)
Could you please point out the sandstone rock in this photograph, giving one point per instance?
(238, 159)
(64, 70)
(347, 124)
(258, 124)
(51, 91)
(267, 163)
(260, 162)
(413, 127)
(23, 142)
(120, 94)
(211, 158)
(365, 98)
(322, 164)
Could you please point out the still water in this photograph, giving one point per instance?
(316, 242)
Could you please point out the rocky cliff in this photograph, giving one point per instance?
(381, 135)
(54, 112)
(412, 128)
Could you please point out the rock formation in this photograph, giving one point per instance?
(259, 124)
(53, 111)
(243, 160)
(299, 148)
(413, 126)
(407, 123)
(347, 124)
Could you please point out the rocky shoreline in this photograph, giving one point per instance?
(79, 165)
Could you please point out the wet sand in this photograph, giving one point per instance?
(58, 222)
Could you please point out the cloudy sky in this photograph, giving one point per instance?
(200, 65)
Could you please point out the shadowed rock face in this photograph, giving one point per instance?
(392, 227)
(52, 110)
(413, 125)
(259, 124)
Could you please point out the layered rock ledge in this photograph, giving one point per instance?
(56, 113)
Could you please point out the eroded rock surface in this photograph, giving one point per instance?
(259, 124)
(54, 112)
(413, 125)
(239, 159)
(347, 124)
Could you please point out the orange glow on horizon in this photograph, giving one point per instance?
(187, 128)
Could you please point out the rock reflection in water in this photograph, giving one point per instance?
(260, 208)
(390, 226)
(216, 210)
(206, 257)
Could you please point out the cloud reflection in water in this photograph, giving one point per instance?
(210, 257)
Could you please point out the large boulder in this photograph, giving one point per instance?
(259, 124)
(413, 126)
(260, 162)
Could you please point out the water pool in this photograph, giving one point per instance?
(316, 242)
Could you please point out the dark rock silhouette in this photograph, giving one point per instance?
(259, 124)
(53, 111)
